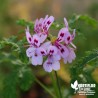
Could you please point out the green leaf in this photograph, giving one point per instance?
(10, 85)
(79, 67)
(26, 80)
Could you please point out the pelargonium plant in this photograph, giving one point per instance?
(48, 51)
(60, 48)
(52, 50)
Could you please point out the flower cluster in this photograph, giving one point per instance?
(53, 52)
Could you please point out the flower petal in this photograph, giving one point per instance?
(63, 51)
(49, 21)
(66, 23)
(71, 56)
(37, 59)
(41, 51)
(30, 51)
(36, 40)
(28, 36)
(42, 37)
(46, 17)
(36, 24)
(52, 50)
(62, 34)
(68, 38)
(47, 66)
(56, 57)
(56, 65)
(46, 45)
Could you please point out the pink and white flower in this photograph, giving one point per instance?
(53, 51)
(41, 27)
(64, 35)
(52, 62)
(35, 52)
(66, 52)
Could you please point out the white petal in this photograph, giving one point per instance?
(66, 23)
(56, 65)
(36, 23)
(56, 57)
(30, 51)
(46, 45)
(71, 55)
(47, 67)
(37, 60)
(42, 37)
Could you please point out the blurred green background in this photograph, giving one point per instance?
(86, 30)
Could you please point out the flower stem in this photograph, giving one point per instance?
(54, 84)
(43, 86)
(60, 94)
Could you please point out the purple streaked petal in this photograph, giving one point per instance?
(68, 38)
(62, 34)
(49, 21)
(36, 40)
(41, 51)
(63, 51)
(52, 50)
(28, 36)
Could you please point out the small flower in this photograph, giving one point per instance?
(52, 62)
(41, 27)
(54, 50)
(66, 52)
(64, 34)
(35, 52)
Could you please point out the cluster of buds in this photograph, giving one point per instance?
(53, 52)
